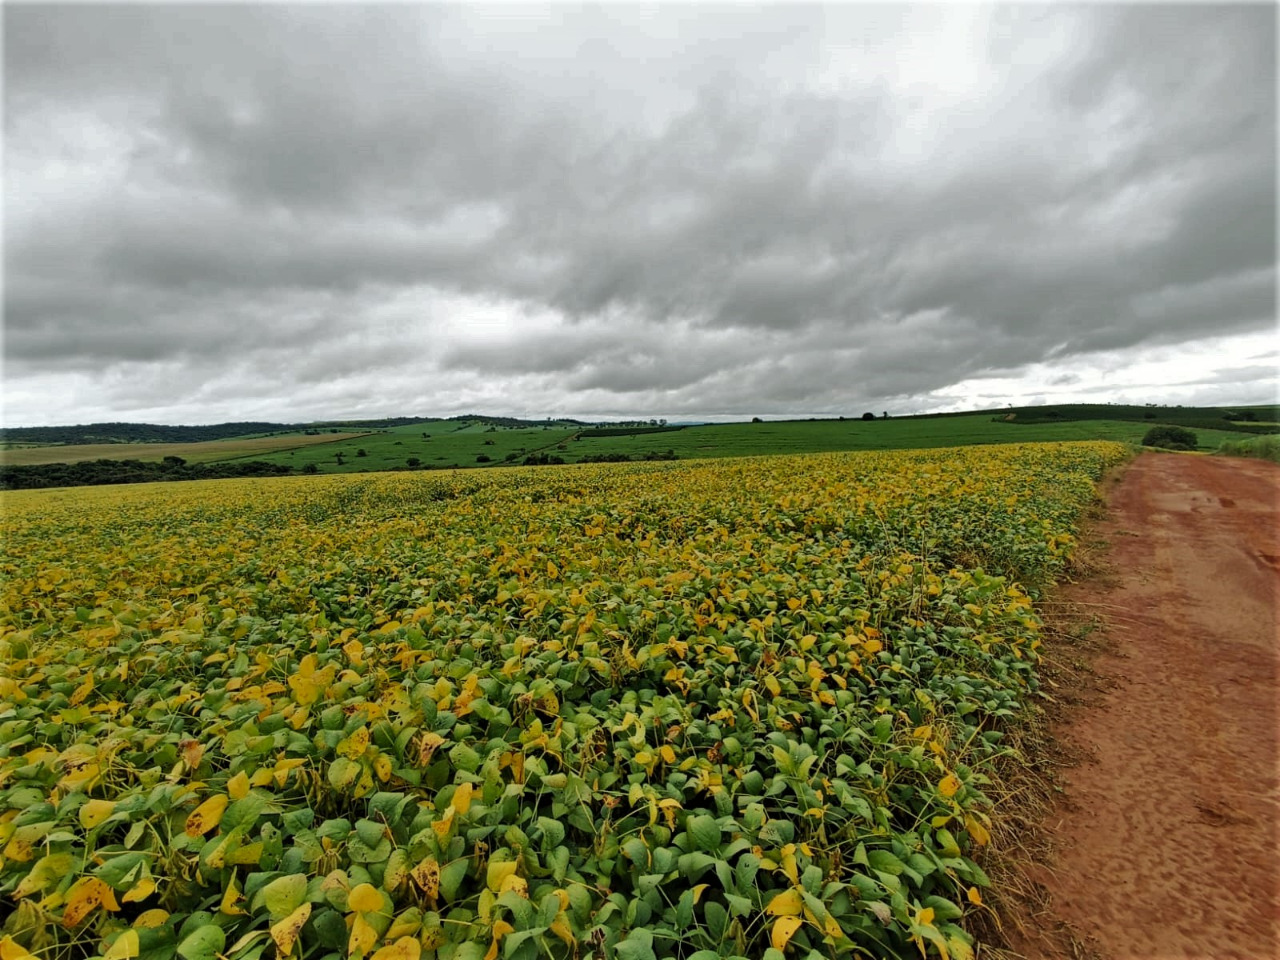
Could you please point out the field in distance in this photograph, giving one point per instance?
(209, 451)
(465, 445)
(485, 441)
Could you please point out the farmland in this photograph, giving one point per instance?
(488, 442)
(745, 707)
(208, 451)
(460, 445)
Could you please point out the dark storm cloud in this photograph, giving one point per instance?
(726, 210)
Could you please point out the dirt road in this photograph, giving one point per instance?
(1166, 842)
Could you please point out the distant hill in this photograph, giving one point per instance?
(139, 432)
(1251, 419)
(162, 433)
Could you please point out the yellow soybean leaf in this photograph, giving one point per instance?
(149, 919)
(382, 767)
(206, 816)
(462, 798)
(517, 885)
(125, 947)
(977, 830)
(427, 747)
(238, 786)
(406, 948)
(85, 896)
(788, 903)
(668, 754)
(406, 925)
(364, 898)
(354, 746)
(94, 812)
(427, 876)
(230, 898)
(498, 871)
(974, 897)
(10, 949)
(363, 936)
(285, 932)
(500, 929)
(560, 927)
(949, 785)
(49, 870)
(139, 891)
(783, 930)
(790, 867)
(82, 691)
(305, 690)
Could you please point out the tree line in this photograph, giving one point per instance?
(95, 472)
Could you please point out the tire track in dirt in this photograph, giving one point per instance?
(1166, 840)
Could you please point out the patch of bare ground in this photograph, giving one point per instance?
(1144, 826)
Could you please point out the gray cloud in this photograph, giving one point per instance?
(627, 210)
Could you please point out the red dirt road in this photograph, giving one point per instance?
(1166, 842)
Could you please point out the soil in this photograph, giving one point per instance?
(1164, 839)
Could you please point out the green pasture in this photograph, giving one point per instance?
(440, 444)
(450, 444)
(821, 436)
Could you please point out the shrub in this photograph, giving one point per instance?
(868, 415)
(413, 462)
(1264, 448)
(1170, 438)
(484, 458)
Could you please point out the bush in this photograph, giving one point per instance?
(1170, 438)
(484, 458)
(1264, 448)
(413, 462)
(542, 460)
(868, 415)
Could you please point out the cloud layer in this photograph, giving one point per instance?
(218, 212)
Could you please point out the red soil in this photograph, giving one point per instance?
(1166, 840)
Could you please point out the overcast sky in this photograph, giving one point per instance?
(291, 212)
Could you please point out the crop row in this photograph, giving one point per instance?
(735, 708)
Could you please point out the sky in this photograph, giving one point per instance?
(296, 212)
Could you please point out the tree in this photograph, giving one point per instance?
(414, 462)
(1170, 438)
(868, 415)
(310, 468)
(361, 452)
